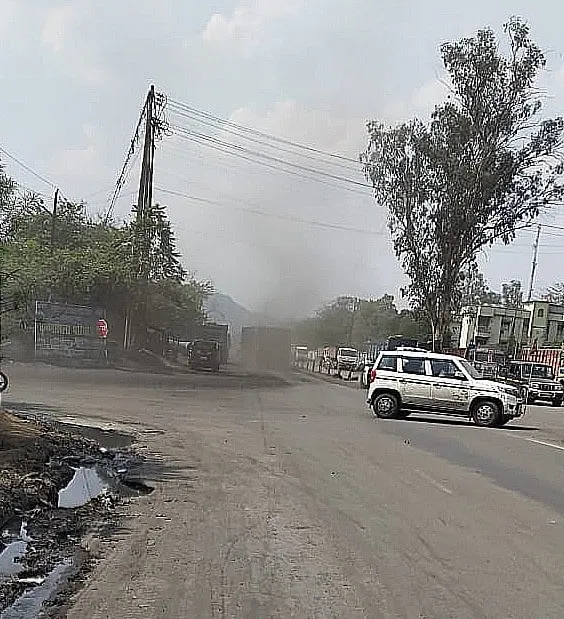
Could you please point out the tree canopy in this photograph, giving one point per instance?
(348, 320)
(86, 261)
(484, 165)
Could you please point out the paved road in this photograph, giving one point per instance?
(295, 502)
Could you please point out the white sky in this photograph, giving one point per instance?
(75, 74)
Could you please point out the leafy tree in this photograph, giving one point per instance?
(484, 166)
(512, 294)
(474, 289)
(91, 263)
(357, 321)
(555, 293)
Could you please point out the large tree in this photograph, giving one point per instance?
(485, 165)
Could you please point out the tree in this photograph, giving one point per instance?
(512, 294)
(484, 166)
(474, 289)
(91, 263)
(555, 293)
(357, 321)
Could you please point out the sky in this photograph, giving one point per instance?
(277, 238)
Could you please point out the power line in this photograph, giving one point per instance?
(28, 168)
(274, 215)
(236, 147)
(267, 136)
(226, 148)
(131, 157)
(258, 140)
(263, 164)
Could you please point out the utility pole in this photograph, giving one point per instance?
(534, 264)
(142, 244)
(54, 220)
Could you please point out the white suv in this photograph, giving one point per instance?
(407, 380)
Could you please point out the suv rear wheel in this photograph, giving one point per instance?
(486, 413)
(385, 406)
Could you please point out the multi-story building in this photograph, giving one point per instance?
(497, 326)
(494, 326)
(546, 324)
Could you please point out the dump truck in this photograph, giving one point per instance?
(266, 349)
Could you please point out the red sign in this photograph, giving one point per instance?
(102, 327)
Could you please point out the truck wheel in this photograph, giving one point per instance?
(385, 406)
(504, 420)
(486, 414)
(557, 402)
(3, 382)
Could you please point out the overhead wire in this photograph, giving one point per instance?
(228, 123)
(130, 159)
(280, 216)
(28, 168)
(266, 156)
(266, 164)
(240, 133)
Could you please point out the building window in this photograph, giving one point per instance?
(540, 313)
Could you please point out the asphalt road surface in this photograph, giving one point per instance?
(295, 502)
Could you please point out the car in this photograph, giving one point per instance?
(537, 380)
(402, 381)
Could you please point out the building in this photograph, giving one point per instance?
(494, 326)
(507, 328)
(546, 324)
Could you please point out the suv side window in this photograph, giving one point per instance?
(444, 368)
(388, 363)
(413, 365)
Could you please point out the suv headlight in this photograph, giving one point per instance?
(509, 391)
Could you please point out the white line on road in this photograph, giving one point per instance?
(433, 481)
(533, 440)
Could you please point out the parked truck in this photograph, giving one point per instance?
(212, 332)
(339, 359)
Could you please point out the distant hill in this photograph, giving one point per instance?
(221, 308)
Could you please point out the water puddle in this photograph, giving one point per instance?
(86, 485)
(30, 604)
(10, 558)
(13, 546)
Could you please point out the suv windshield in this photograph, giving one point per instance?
(348, 352)
(538, 370)
(470, 369)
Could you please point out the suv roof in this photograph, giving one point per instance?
(523, 361)
(418, 354)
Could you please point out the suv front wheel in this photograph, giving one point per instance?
(486, 413)
(385, 406)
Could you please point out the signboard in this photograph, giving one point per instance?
(102, 328)
(65, 331)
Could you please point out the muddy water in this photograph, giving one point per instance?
(10, 557)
